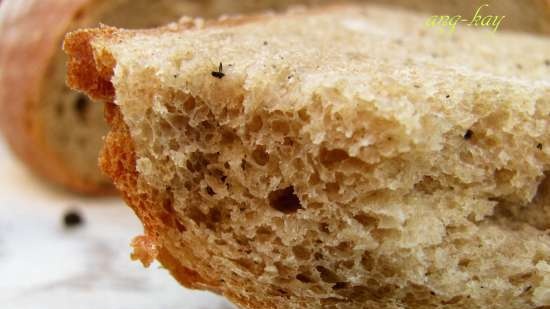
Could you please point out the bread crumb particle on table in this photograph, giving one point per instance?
(72, 218)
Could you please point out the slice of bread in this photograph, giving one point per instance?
(56, 131)
(346, 157)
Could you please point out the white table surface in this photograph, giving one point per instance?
(44, 265)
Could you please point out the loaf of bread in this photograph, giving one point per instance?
(56, 131)
(344, 157)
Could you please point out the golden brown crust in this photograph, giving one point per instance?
(118, 161)
(24, 62)
(82, 71)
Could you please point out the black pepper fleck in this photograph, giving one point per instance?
(219, 74)
(72, 218)
(448, 96)
(468, 135)
(416, 86)
(539, 146)
(547, 62)
(265, 42)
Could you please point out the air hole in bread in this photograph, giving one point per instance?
(189, 104)
(329, 157)
(228, 137)
(304, 116)
(327, 275)
(464, 262)
(330, 302)
(521, 278)
(340, 285)
(453, 300)
(504, 176)
(344, 247)
(349, 264)
(332, 189)
(366, 220)
(264, 234)
(180, 227)
(210, 191)
(367, 261)
(357, 293)
(215, 216)
(314, 179)
(255, 124)
(301, 252)
(318, 256)
(298, 163)
(244, 164)
(248, 264)
(428, 185)
(285, 200)
(196, 215)
(324, 227)
(280, 126)
(283, 269)
(260, 156)
(305, 278)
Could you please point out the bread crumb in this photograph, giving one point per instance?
(145, 250)
(72, 218)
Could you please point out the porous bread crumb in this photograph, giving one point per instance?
(378, 176)
(144, 251)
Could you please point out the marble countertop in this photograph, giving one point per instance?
(45, 265)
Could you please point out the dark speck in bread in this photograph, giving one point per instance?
(219, 74)
(468, 135)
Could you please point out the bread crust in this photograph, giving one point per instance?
(118, 161)
(29, 33)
